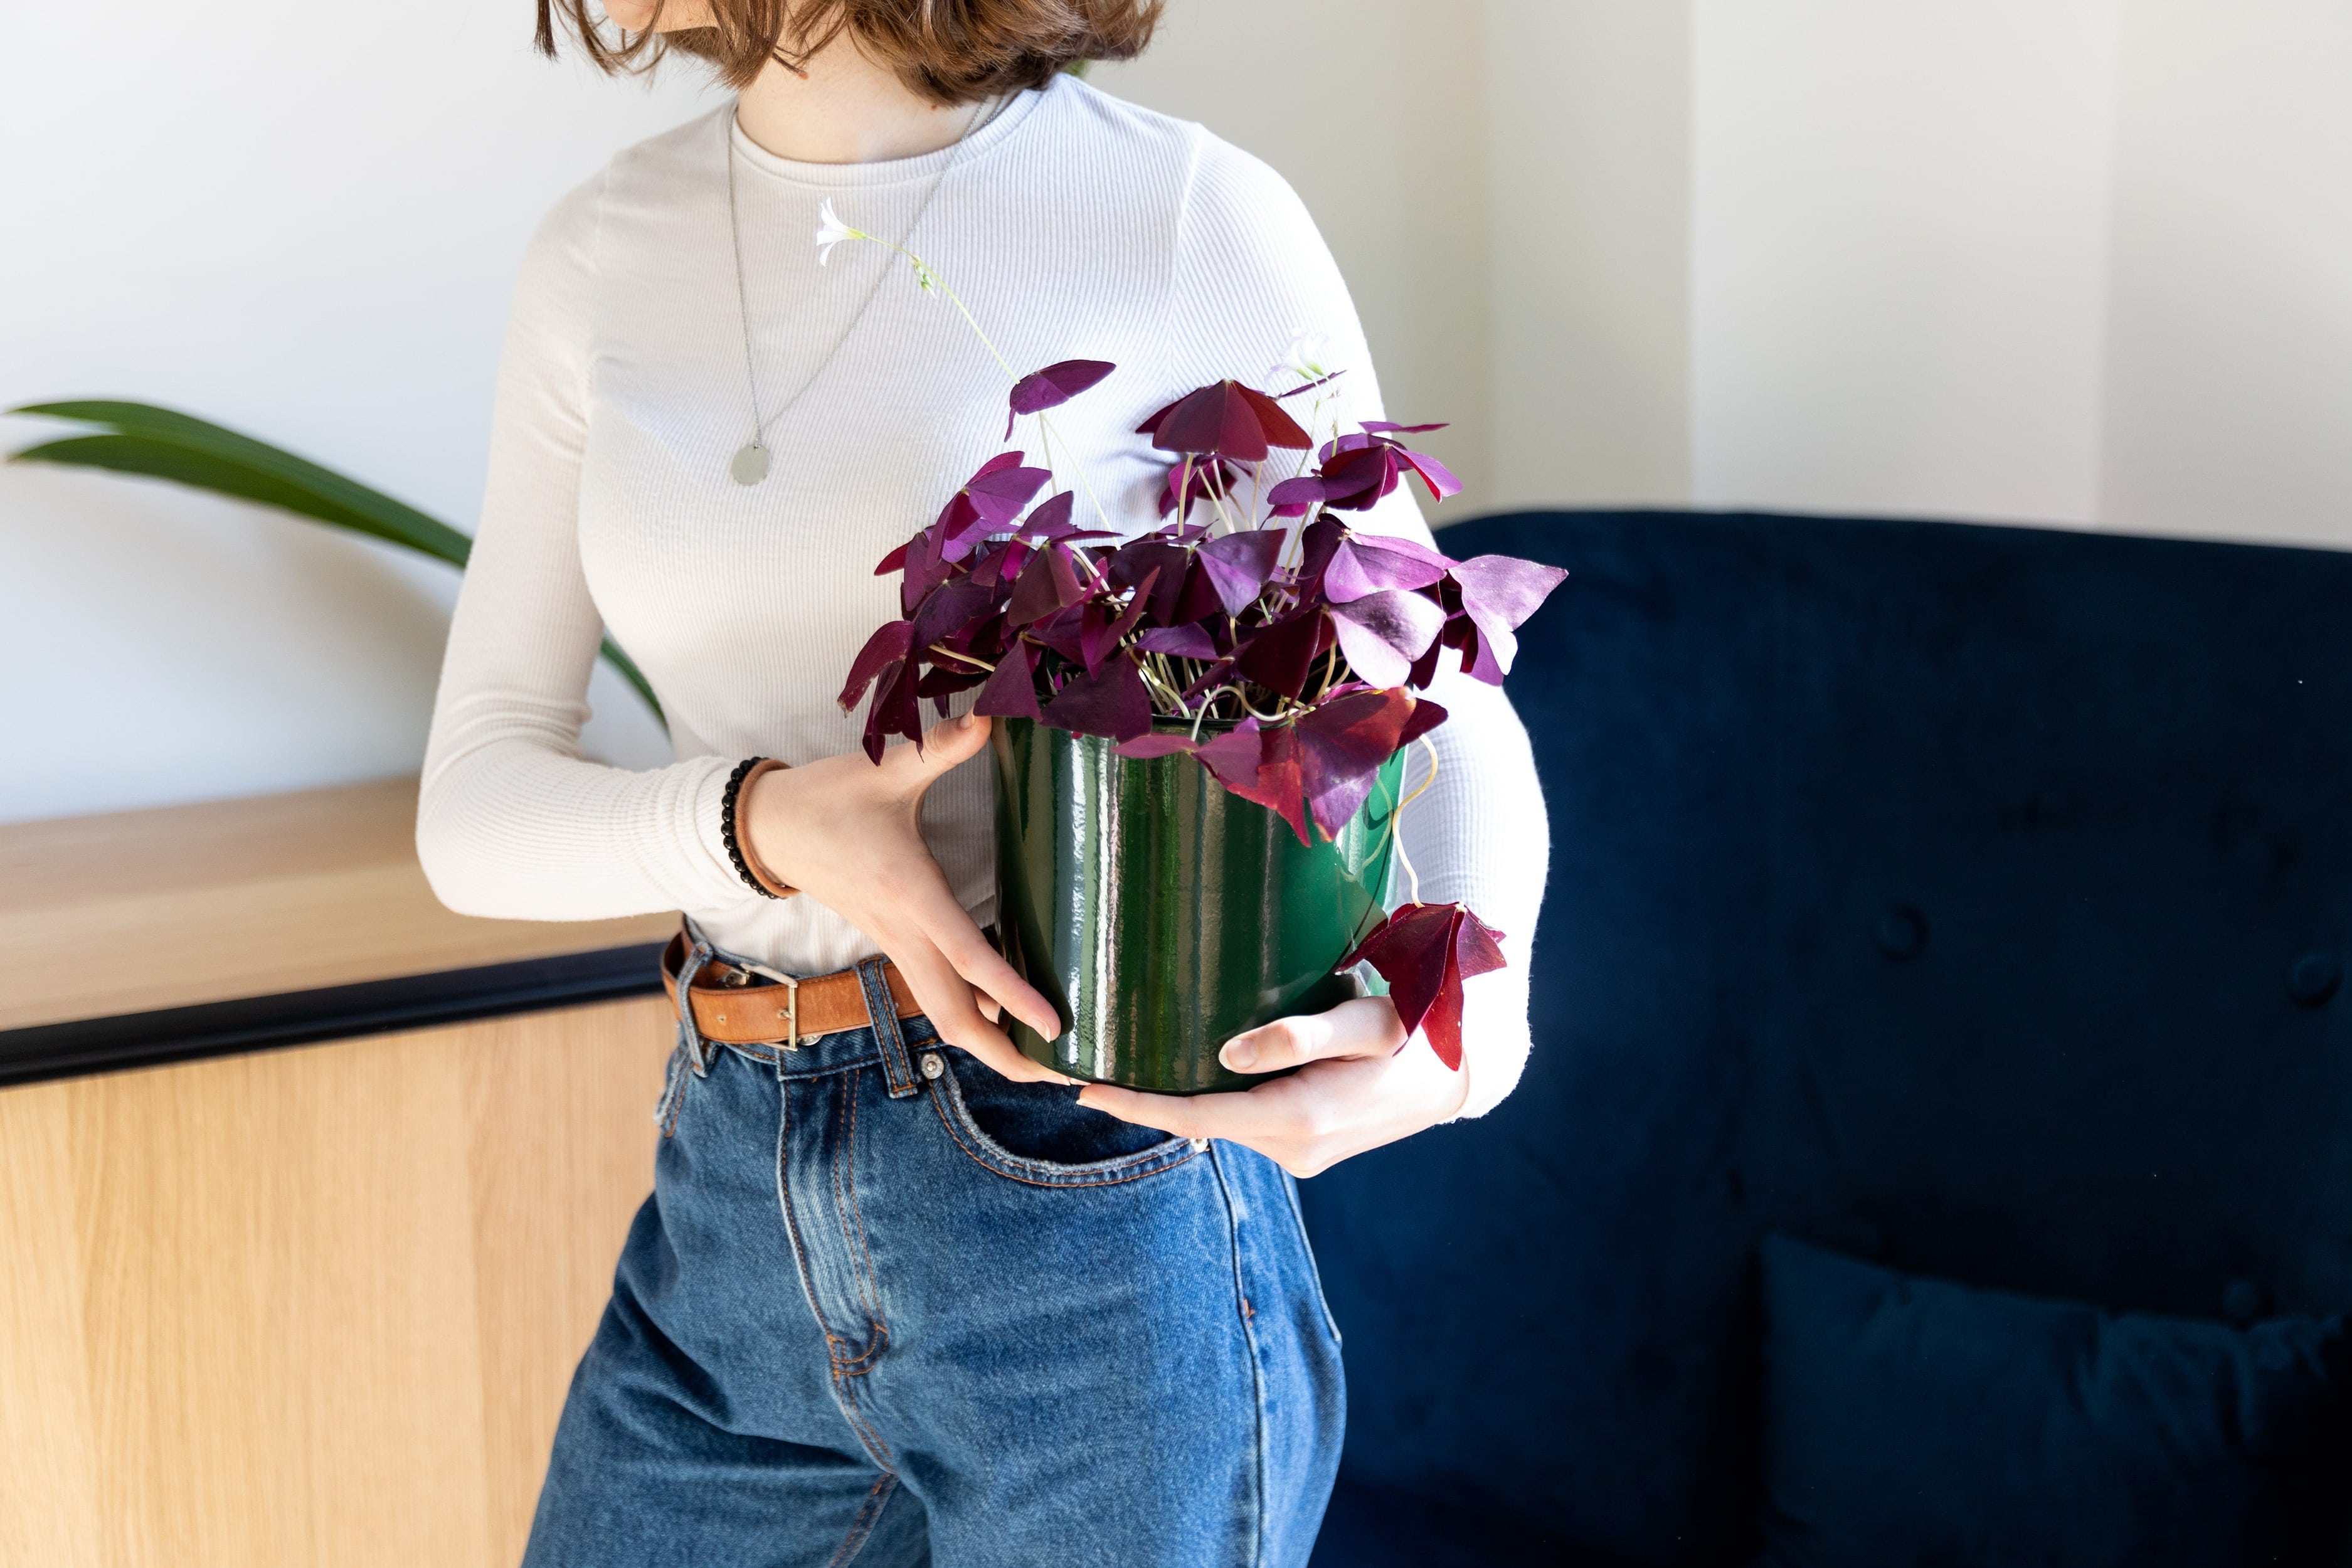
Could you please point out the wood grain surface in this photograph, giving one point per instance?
(311, 1307)
(142, 910)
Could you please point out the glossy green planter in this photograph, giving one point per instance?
(1161, 914)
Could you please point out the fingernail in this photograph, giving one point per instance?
(1240, 1055)
(964, 722)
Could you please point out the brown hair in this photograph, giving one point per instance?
(949, 51)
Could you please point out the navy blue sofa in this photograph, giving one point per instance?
(1972, 900)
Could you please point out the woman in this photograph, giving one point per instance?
(900, 1294)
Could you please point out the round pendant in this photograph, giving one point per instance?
(751, 464)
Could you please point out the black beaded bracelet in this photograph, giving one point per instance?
(727, 827)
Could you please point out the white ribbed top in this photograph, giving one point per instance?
(1077, 226)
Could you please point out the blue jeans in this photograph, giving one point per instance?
(886, 1305)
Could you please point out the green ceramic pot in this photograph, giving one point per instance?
(1161, 914)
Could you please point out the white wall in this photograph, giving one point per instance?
(1899, 255)
(2229, 381)
(1370, 107)
(297, 220)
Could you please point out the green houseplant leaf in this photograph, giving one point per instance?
(163, 444)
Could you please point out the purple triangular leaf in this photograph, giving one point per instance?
(1182, 641)
(1113, 704)
(1342, 744)
(1052, 387)
(1240, 564)
(1499, 594)
(1381, 634)
(886, 648)
(1012, 691)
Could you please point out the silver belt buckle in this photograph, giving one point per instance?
(791, 1013)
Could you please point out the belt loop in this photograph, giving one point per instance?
(697, 1049)
(882, 1009)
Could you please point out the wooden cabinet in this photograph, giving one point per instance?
(306, 1306)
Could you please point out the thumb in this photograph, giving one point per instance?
(946, 744)
(1366, 1026)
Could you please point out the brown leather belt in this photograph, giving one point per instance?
(735, 1006)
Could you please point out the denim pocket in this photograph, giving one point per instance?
(1038, 1133)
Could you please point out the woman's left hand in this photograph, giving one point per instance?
(1357, 1090)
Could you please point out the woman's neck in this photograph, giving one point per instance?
(845, 110)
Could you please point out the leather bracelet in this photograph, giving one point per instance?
(755, 876)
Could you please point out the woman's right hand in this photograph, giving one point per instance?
(847, 833)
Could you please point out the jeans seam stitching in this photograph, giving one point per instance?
(869, 1514)
(1154, 1160)
(845, 1199)
(1257, 1372)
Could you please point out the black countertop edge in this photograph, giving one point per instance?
(86, 1045)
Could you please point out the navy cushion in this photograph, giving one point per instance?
(1909, 1421)
(1963, 898)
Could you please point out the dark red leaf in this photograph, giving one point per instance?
(1386, 428)
(1354, 479)
(893, 562)
(1261, 765)
(1228, 419)
(1413, 952)
(895, 711)
(1426, 716)
(886, 648)
(1278, 655)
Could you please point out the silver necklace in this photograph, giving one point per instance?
(750, 462)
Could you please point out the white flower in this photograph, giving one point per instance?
(1305, 354)
(830, 231)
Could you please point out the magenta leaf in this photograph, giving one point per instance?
(949, 609)
(1295, 497)
(1012, 691)
(1182, 641)
(1499, 594)
(1112, 704)
(893, 562)
(999, 496)
(1201, 481)
(1052, 387)
(1160, 743)
(886, 648)
(1228, 419)
(1386, 428)
(1434, 474)
(1049, 518)
(1341, 747)
(1366, 564)
(1308, 387)
(1240, 565)
(1383, 634)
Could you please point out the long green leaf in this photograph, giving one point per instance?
(144, 432)
(163, 444)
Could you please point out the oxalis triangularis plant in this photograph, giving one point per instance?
(1278, 647)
